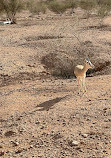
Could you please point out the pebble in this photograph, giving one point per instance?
(85, 135)
(31, 146)
(73, 143)
(19, 151)
(15, 143)
(37, 122)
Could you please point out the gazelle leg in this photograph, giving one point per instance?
(79, 85)
(84, 85)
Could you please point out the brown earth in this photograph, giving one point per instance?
(42, 115)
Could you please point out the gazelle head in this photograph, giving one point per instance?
(88, 63)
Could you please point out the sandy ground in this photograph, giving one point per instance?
(41, 115)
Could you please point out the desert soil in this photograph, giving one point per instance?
(42, 115)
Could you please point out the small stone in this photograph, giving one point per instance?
(19, 151)
(42, 127)
(31, 146)
(85, 135)
(37, 122)
(105, 109)
(73, 143)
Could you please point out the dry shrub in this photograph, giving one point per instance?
(59, 64)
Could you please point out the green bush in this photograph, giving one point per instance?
(11, 7)
(104, 2)
(71, 4)
(57, 7)
(88, 6)
(36, 7)
(104, 7)
(103, 11)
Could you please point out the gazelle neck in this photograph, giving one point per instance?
(85, 68)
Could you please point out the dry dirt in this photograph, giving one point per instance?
(42, 115)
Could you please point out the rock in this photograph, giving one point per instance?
(85, 135)
(42, 127)
(73, 143)
(19, 151)
(31, 146)
(37, 122)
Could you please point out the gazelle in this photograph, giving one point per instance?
(80, 73)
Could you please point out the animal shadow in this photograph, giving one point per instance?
(48, 104)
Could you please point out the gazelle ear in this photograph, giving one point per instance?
(87, 59)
